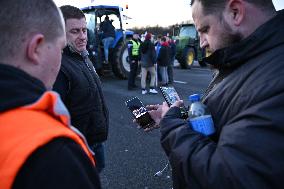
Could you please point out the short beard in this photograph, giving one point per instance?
(229, 37)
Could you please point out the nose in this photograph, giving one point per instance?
(83, 34)
(203, 41)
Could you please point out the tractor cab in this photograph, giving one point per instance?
(118, 54)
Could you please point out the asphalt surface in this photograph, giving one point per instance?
(133, 156)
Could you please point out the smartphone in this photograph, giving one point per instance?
(140, 112)
(171, 96)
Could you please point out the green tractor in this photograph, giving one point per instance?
(188, 48)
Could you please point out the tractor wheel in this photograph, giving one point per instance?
(188, 58)
(120, 61)
(205, 53)
(179, 58)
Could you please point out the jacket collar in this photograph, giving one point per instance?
(18, 88)
(68, 51)
(267, 36)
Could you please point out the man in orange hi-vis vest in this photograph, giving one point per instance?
(38, 147)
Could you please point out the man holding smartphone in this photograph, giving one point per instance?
(245, 98)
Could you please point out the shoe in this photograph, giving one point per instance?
(153, 91)
(144, 91)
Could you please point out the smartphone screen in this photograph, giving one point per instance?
(170, 94)
(140, 113)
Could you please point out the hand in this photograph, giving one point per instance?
(133, 61)
(157, 112)
(178, 103)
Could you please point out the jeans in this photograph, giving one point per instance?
(99, 151)
(164, 73)
(107, 43)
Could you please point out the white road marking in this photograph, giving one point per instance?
(182, 82)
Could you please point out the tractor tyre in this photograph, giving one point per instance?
(120, 61)
(188, 58)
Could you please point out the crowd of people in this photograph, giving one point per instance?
(155, 57)
(43, 147)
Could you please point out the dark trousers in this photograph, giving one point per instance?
(171, 72)
(159, 74)
(99, 151)
(132, 74)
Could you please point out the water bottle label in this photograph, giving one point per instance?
(203, 124)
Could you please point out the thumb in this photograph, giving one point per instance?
(178, 103)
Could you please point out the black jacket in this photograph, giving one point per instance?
(59, 164)
(148, 54)
(164, 56)
(107, 28)
(246, 100)
(80, 90)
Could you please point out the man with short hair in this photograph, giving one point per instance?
(80, 87)
(39, 148)
(245, 98)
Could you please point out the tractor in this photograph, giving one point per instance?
(188, 48)
(118, 53)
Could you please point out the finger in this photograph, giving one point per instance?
(152, 107)
(156, 126)
(165, 104)
(178, 103)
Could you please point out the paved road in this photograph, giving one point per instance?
(133, 156)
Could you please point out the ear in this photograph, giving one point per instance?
(237, 11)
(33, 48)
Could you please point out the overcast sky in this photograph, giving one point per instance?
(150, 12)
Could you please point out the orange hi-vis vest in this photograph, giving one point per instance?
(25, 129)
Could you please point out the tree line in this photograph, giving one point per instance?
(170, 30)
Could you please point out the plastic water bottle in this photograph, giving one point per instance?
(199, 117)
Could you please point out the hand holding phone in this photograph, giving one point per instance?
(140, 113)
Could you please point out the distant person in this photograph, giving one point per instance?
(163, 60)
(108, 35)
(148, 59)
(172, 60)
(245, 98)
(39, 147)
(134, 57)
(158, 47)
(80, 87)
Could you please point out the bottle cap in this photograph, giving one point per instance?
(194, 97)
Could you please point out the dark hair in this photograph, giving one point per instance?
(69, 12)
(216, 6)
(164, 39)
(20, 19)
